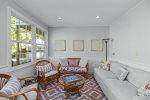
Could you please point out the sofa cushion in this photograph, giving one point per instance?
(138, 77)
(104, 74)
(141, 98)
(83, 62)
(30, 95)
(73, 62)
(12, 86)
(73, 69)
(122, 90)
(114, 67)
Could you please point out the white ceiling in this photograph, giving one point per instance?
(76, 13)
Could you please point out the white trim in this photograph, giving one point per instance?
(11, 11)
(8, 69)
(3, 66)
(8, 37)
(46, 52)
(46, 42)
(19, 15)
(21, 41)
(136, 65)
(33, 43)
(24, 18)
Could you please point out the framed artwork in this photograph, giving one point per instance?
(60, 45)
(96, 45)
(78, 45)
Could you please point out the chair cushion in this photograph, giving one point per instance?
(104, 74)
(83, 62)
(121, 89)
(73, 62)
(30, 95)
(50, 73)
(73, 69)
(45, 68)
(2, 98)
(12, 86)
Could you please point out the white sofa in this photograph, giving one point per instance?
(115, 89)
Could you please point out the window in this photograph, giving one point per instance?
(27, 42)
(40, 44)
(21, 37)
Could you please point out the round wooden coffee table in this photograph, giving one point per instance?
(72, 83)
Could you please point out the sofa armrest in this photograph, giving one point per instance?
(141, 98)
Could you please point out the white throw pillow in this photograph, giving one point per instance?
(122, 74)
(144, 90)
(64, 62)
(83, 62)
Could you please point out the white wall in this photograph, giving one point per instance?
(131, 34)
(78, 33)
(3, 29)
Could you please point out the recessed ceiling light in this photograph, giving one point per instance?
(97, 17)
(59, 17)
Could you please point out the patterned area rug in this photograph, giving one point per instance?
(90, 91)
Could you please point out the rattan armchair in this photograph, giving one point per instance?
(24, 92)
(45, 77)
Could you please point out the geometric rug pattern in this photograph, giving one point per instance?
(90, 91)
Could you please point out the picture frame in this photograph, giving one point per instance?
(78, 45)
(96, 45)
(60, 45)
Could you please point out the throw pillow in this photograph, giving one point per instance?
(12, 86)
(64, 62)
(83, 63)
(45, 68)
(73, 62)
(144, 90)
(122, 74)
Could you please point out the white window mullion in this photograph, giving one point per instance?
(9, 39)
(33, 43)
(21, 42)
(46, 44)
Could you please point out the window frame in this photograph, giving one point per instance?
(46, 39)
(21, 41)
(13, 12)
